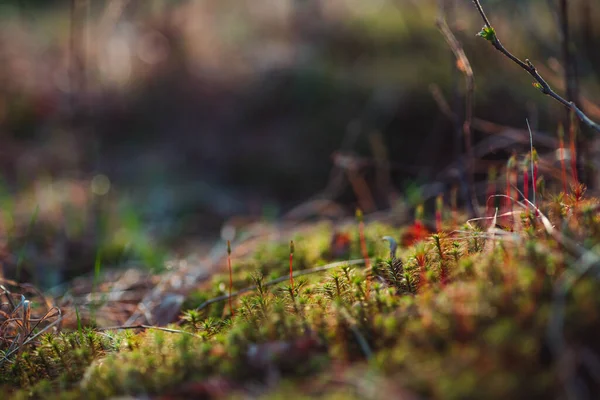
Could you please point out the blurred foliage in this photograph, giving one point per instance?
(197, 111)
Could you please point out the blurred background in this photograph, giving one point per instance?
(136, 129)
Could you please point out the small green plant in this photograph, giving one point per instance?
(193, 317)
(488, 33)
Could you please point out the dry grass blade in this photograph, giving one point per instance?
(14, 349)
(464, 66)
(142, 326)
(18, 323)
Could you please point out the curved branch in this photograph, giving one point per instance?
(489, 34)
(464, 66)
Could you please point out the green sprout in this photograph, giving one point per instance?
(488, 33)
(538, 86)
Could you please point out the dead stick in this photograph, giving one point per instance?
(279, 280)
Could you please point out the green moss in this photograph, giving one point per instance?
(482, 332)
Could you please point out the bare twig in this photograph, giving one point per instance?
(489, 34)
(281, 279)
(464, 66)
(488, 127)
(142, 326)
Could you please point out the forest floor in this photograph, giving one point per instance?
(500, 307)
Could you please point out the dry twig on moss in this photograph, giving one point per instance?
(144, 327)
(296, 274)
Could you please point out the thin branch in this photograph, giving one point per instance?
(142, 326)
(281, 279)
(490, 35)
(486, 21)
(464, 66)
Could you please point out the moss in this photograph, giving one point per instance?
(480, 332)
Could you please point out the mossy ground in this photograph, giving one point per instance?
(467, 314)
